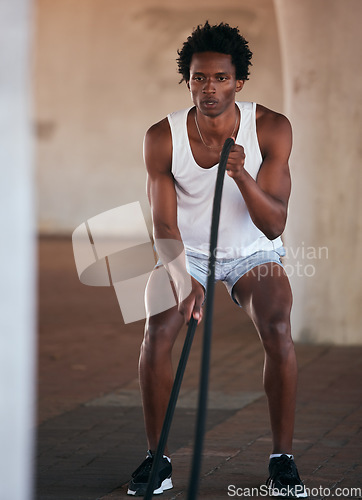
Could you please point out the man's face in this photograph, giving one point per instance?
(212, 82)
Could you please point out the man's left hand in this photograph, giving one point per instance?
(235, 163)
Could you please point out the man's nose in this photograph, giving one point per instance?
(209, 87)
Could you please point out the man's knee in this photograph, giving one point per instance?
(158, 338)
(276, 337)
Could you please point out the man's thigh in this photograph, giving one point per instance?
(161, 305)
(264, 291)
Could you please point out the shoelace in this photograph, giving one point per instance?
(145, 466)
(286, 468)
(287, 463)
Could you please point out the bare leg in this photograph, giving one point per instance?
(265, 294)
(155, 365)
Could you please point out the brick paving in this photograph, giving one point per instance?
(90, 428)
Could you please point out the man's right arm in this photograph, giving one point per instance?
(163, 201)
(160, 184)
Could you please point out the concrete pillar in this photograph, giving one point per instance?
(17, 256)
(320, 43)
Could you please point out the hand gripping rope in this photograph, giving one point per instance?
(205, 363)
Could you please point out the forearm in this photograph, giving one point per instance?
(165, 230)
(168, 241)
(171, 251)
(268, 213)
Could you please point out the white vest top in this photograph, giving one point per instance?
(238, 235)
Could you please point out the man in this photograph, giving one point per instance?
(181, 155)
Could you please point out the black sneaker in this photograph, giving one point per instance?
(284, 480)
(138, 484)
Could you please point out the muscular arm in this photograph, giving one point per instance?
(267, 197)
(160, 184)
(163, 201)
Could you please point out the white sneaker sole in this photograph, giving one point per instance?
(165, 485)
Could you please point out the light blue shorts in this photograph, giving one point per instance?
(229, 271)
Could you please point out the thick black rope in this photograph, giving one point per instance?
(204, 374)
(171, 407)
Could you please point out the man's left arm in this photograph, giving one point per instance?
(267, 197)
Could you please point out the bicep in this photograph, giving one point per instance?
(160, 183)
(274, 174)
(274, 179)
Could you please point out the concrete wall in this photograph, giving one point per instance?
(321, 43)
(105, 71)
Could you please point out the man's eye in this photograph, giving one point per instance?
(222, 78)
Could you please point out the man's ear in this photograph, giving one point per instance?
(188, 84)
(239, 85)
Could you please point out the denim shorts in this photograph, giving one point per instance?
(229, 271)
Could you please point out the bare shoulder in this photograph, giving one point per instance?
(158, 147)
(159, 131)
(269, 119)
(274, 130)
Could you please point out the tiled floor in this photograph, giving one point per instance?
(90, 432)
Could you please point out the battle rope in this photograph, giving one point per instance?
(204, 374)
(209, 306)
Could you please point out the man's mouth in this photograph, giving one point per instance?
(209, 102)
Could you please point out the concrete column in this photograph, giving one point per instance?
(17, 256)
(320, 41)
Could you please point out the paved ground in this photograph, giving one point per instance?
(90, 428)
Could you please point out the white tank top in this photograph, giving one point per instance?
(238, 235)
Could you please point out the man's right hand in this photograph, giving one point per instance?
(192, 305)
